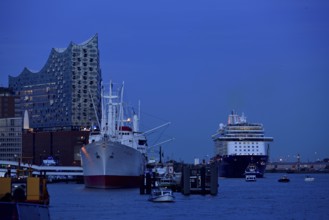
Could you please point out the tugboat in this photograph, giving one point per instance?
(23, 196)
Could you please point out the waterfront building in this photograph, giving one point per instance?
(65, 93)
(59, 103)
(10, 138)
(62, 146)
(10, 125)
(9, 103)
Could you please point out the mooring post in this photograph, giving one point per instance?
(214, 179)
(142, 185)
(186, 181)
(148, 183)
(203, 179)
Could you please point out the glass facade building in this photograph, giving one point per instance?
(10, 138)
(10, 125)
(9, 103)
(65, 94)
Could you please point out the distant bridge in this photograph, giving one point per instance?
(37, 170)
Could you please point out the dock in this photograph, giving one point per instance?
(194, 179)
(200, 179)
(53, 173)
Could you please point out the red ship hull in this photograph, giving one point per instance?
(107, 182)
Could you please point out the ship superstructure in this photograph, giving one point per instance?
(239, 144)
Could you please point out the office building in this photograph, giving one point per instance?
(10, 125)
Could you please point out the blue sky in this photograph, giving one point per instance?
(192, 62)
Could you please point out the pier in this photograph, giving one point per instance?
(194, 179)
(298, 167)
(53, 173)
(200, 179)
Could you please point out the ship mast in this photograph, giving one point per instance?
(111, 112)
(121, 113)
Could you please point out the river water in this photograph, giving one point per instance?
(264, 199)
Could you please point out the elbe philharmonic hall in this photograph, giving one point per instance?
(49, 113)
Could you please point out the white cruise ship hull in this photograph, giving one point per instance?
(240, 145)
(108, 164)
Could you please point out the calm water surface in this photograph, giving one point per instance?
(264, 199)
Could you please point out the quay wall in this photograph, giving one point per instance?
(315, 167)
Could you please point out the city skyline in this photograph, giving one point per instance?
(192, 62)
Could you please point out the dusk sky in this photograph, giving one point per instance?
(191, 62)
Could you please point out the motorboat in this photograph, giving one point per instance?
(161, 194)
(284, 179)
(250, 178)
(251, 173)
(309, 179)
(167, 181)
(251, 170)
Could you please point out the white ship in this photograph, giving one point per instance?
(240, 144)
(115, 155)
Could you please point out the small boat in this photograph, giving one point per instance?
(309, 179)
(251, 170)
(161, 194)
(284, 179)
(167, 182)
(250, 178)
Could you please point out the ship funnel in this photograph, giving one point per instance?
(135, 123)
(243, 118)
(233, 119)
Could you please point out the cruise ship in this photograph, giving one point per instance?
(239, 145)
